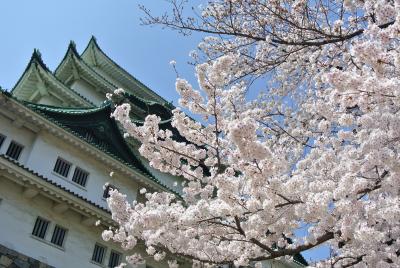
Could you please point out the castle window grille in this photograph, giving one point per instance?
(89, 137)
(58, 235)
(80, 176)
(103, 144)
(2, 139)
(40, 227)
(62, 167)
(114, 260)
(14, 150)
(98, 254)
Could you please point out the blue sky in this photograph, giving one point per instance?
(143, 51)
(49, 25)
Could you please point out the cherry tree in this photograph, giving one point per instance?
(319, 147)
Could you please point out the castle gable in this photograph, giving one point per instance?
(38, 84)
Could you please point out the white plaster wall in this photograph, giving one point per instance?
(49, 148)
(88, 91)
(19, 134)
(41, 151)
(18, 216)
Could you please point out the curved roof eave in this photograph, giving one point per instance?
(40, 108)
(94, 77)
(36, 61)
(145, 105)
(35, 58)
(94, 45)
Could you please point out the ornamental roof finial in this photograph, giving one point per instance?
(72, 44)
(37, 54)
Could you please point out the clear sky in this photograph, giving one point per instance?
(49, 25)
(144, 51)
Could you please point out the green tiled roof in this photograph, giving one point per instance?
(151, 107)
(95, 127)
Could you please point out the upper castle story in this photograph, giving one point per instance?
(80, 80)
(59, 122)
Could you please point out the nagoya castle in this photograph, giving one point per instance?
(58, 146)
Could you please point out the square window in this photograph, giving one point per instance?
(62, 167)
(115, 259)
(40, 227)
(98, 253)
(14, 150)
(80, 176)
(58, 235)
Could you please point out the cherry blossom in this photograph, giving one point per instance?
(319, 147)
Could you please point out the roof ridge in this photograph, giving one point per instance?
(93, 40)
(72, 48)
(74, 110)
(74, 52)
(36, 58)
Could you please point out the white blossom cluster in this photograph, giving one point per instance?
(321, 148)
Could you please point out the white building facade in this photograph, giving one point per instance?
(58, 146)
